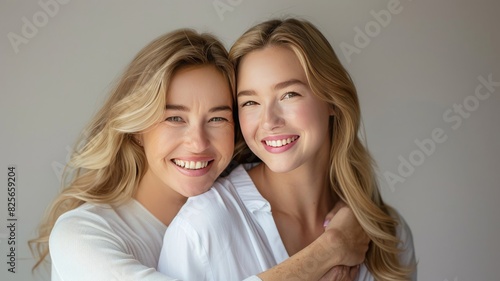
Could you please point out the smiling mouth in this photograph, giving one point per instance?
(191, 165)
(280, 143)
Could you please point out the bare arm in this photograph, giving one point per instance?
(343, 243)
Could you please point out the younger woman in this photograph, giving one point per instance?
(299, 113)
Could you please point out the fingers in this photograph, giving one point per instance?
(349, 273)
(353, 272)
(336, 273)
(340, 204)
(341, 273)
(349, 240)
(341, 215)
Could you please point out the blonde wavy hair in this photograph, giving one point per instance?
(351, 172)
(108, 163)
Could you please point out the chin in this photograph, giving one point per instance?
(278, 167)
(196, 190)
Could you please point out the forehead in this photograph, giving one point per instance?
(202, 83)
(269, 66)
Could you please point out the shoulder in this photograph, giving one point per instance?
(84, 221)
(86, 216)
(207, 221)
(239, 176)
(403, 231)
(223, 206)
(219, 198)
(86, 232)
(404, 234)
(217, 206)
(106, 239)
(230, 199)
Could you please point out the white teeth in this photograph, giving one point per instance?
(282, 142)
(191, 165)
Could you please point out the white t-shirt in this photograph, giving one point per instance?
(229, 233)
(99, 242)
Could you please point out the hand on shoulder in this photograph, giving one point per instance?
(346, 236)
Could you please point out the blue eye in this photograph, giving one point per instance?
(290, 95)
(174, 119)
(218, 119)
(248, 103)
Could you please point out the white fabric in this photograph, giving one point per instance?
(228, 233)
(98, 242)
(197, 253)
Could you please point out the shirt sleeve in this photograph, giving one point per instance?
(407, 256)
(253, 278)
(84, 248)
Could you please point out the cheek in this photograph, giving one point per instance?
(152, 147)
(223, 141)
(248, 126)
(315, 114)
(320, 123)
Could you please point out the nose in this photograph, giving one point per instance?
(197, 139)
(272, 118)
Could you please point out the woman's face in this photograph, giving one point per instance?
(282, 121)
(194, 143)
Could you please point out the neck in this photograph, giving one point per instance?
(159, 200)
(303, 194)
(299, 200)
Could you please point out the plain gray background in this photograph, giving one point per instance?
(417, 66)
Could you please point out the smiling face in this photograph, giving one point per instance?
(281, 119)
(194, 143)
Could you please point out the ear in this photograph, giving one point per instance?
(138, 139)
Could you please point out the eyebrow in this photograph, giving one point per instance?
(288, 83)
(185, 108)
(176, 107)
(221, 108)
(278, 86)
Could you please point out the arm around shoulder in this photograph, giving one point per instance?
(344, 242)
(320, 254)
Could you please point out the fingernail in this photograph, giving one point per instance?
(326, 222)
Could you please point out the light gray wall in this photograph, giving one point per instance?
(417, 75)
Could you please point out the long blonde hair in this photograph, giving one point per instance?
(351, 171)
(108, 164)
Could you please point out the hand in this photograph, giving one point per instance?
(340, 204)
(349, 240)
(341, 273)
